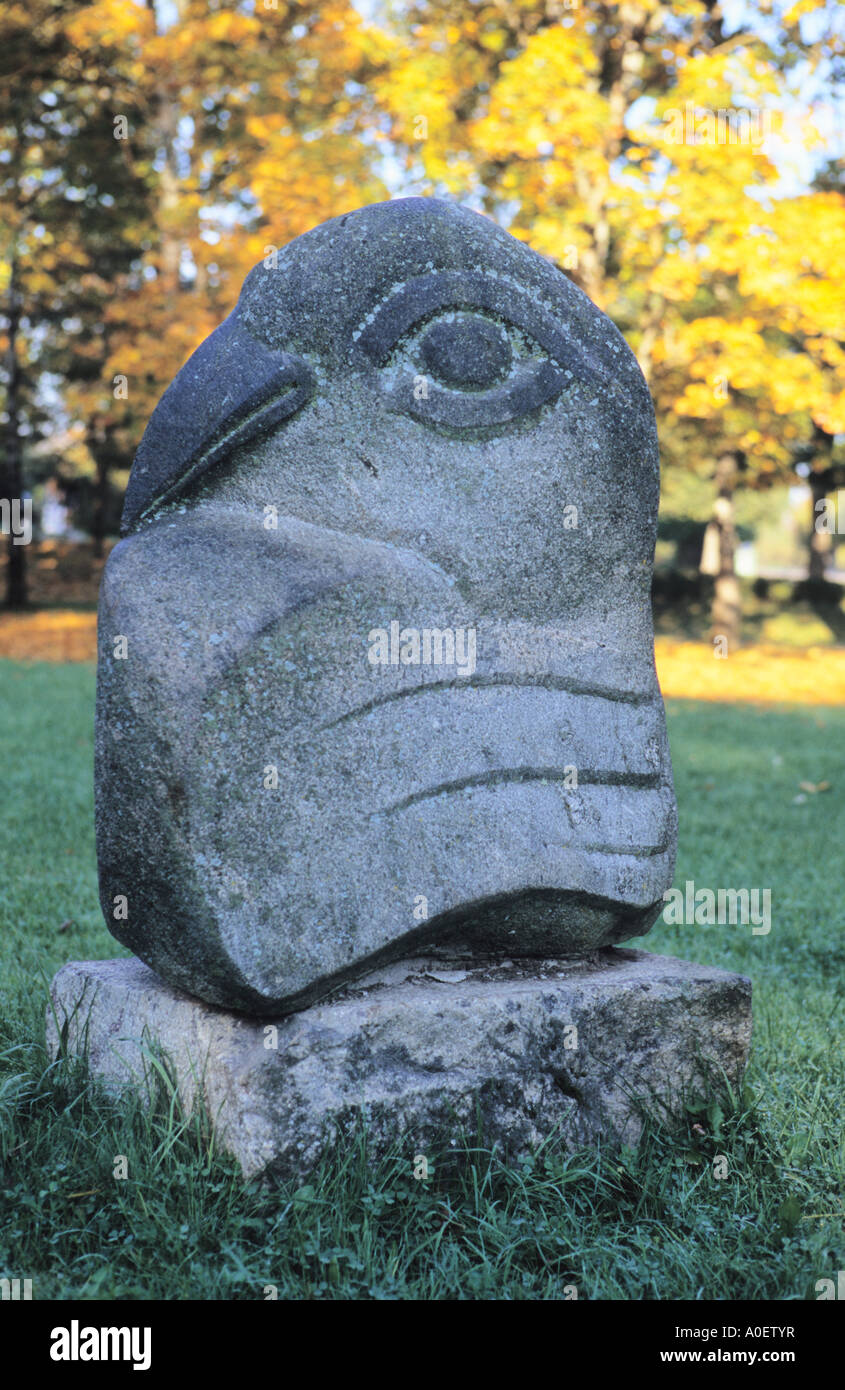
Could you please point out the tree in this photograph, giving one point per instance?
(63, 234)
(631, 144)
(151, 154)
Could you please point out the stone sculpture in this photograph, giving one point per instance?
(381, 753)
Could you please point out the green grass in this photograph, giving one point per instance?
(650, 1224)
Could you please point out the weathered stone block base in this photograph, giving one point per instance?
(424, 1049)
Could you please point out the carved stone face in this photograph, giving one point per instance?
(388, 681)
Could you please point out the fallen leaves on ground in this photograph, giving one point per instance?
(753, 675)
(49, 635)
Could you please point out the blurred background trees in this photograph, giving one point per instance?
(678, 162)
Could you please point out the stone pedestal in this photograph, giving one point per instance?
(424, 1048)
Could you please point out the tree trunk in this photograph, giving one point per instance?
(98, 521)
(11, 486)
(166, 131)
(818, 541)
(721, 541)
(820, 480)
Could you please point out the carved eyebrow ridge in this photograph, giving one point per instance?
(470, 289)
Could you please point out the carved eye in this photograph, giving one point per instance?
(466, 350)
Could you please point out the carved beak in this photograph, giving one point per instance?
(233, 389)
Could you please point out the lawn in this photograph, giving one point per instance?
(644, 1225)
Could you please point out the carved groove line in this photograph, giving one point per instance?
(562, 683)
(645, 781)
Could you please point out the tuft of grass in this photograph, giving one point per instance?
(602, 1223)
